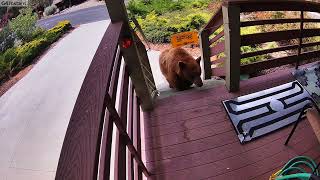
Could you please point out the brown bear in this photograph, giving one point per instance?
(180, 69)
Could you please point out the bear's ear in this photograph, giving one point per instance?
(198, 60)
(182, 65)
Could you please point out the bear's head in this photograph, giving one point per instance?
(190, 70)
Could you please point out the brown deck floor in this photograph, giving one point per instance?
(189, 137)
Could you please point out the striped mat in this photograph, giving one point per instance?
(263, 112)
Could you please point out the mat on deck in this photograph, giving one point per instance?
(257, 114)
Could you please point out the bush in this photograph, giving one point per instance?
(155, 28)
(249, 30)
(4, 69)
(142, 8)
(196, 21)
(7, 38)
(11, 59)
(54, 33)
(62, 26)
(10, 55)
(39, 4)
(24, 24)
(29, 51)
(38, 32)
(159, 19)
(253, 59)
(158, 29)
(50, 10)
(16, 58)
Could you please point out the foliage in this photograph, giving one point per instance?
(4, 69)
(39, 4)
(24, 24)
(142, 7)
(249, 30)
(278, 15)
(13, 11)
(7, 38)
(62, 26)
(160, 19)
(50, 10)
(16, 58)
(3, 10)
(253, 59)
(29, 51)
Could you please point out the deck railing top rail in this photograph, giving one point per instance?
(274, 5)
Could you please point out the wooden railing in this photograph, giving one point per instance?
(103, 138)
(86, 150)
(212, 46)
(229, 17)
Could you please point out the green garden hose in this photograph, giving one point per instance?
(302, 176)
(300, 173)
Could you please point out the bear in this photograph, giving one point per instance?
(180, 69)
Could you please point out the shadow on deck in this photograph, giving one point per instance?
(190, 137)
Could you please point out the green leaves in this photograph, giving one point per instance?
(50, 10)
(15, 58)
(159, 19)
(24, 24)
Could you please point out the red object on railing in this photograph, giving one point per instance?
(126, 42)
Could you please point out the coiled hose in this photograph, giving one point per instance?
(295, 165)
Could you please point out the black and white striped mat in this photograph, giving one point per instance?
(256, 114)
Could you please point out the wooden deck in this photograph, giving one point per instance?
(189, 137)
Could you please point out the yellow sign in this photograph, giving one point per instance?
(184, 38)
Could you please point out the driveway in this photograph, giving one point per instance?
(83, 16)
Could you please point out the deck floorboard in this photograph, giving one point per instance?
(189, 137)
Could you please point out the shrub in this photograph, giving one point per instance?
(278, 15)
(254, 58)
(24, 24)
(17, 57)
(50, 10)
(10, 55)
(142, 8)
(62, 26)
(29, 51)
(4, 69)
(159, 19)
(155, 28)
(11, 59)
(158, 29)
(7, 38)
(54, 33)
(249, 30)
(37, 33)
(36, 4)
(196, 21)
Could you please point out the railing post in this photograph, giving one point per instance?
(231, 22)
(205, 53)
(135, 56)
(300, 37)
